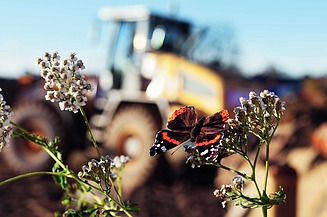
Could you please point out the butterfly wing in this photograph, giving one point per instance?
(207, 130)
(213, 128)
(183, 119)
(214, 123)
(167, 139)
(205, 140)
(179, 125)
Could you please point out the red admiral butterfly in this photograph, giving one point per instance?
(183, 127)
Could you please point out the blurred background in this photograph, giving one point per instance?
(148, 58)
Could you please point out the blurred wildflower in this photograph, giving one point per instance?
(120, 161)
(5, 125)
(260, 116)
(64, 81)
(105, 175)
(260, 113)
(234, 193)
(272, 103)
(267, 104)
(238, 183)
(103, 172)
(96, 170)
(223, 192)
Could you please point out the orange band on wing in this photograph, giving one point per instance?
(224, 114)
(209, 142)
(177, 112)
(166, 138)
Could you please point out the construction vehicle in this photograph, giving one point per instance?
(147, 78)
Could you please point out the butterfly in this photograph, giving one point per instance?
(183, 127)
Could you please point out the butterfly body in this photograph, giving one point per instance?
(183, 126)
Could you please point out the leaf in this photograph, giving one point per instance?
(61, 178)
(91, 209)
(72, 213)
(132, 207)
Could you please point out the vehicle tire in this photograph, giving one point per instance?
(132, 133)
(25, 156)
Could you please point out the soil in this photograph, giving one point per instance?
(161, 196)
(37, 197)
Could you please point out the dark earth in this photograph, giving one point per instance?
(163, 195)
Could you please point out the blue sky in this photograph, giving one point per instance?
(291, 35)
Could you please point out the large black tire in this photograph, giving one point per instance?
(25, 156)
(132, 133)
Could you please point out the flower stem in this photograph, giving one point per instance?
(254, 179)
(264, 211)
(54, 158)
(90, 131)
(26, 175)
(31, 137)
(267, 168)
(229, 169)
(267, 155)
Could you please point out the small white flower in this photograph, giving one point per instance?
(5, 126)
(243, 101)
(238, 183)
(119, 161)
(224, 203)
(252, 94)
(267, 93)
(239, 109)
(64, 81)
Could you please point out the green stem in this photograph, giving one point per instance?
(264, 211)
(117, 188)
(119, 182)
(54, 157)
(42, 173)
(90, 131)
(18, 127)
(127, 213)
(252, 166)
(257, 154)
(43, 143)
(267, 168)
(253, 176)
(29, 136)
(267, 155)
(118, 203)
(229, 169)
(26, 175)
(256, 184)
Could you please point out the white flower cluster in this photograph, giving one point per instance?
(267, 104)
(64, 81)
(238, 183)
(5, 125)
(97, 170)
(223, 192)
(120, 161)
(104, 168)
(272, 103)
(230, 192)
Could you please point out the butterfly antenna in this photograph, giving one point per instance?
(179, 146)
